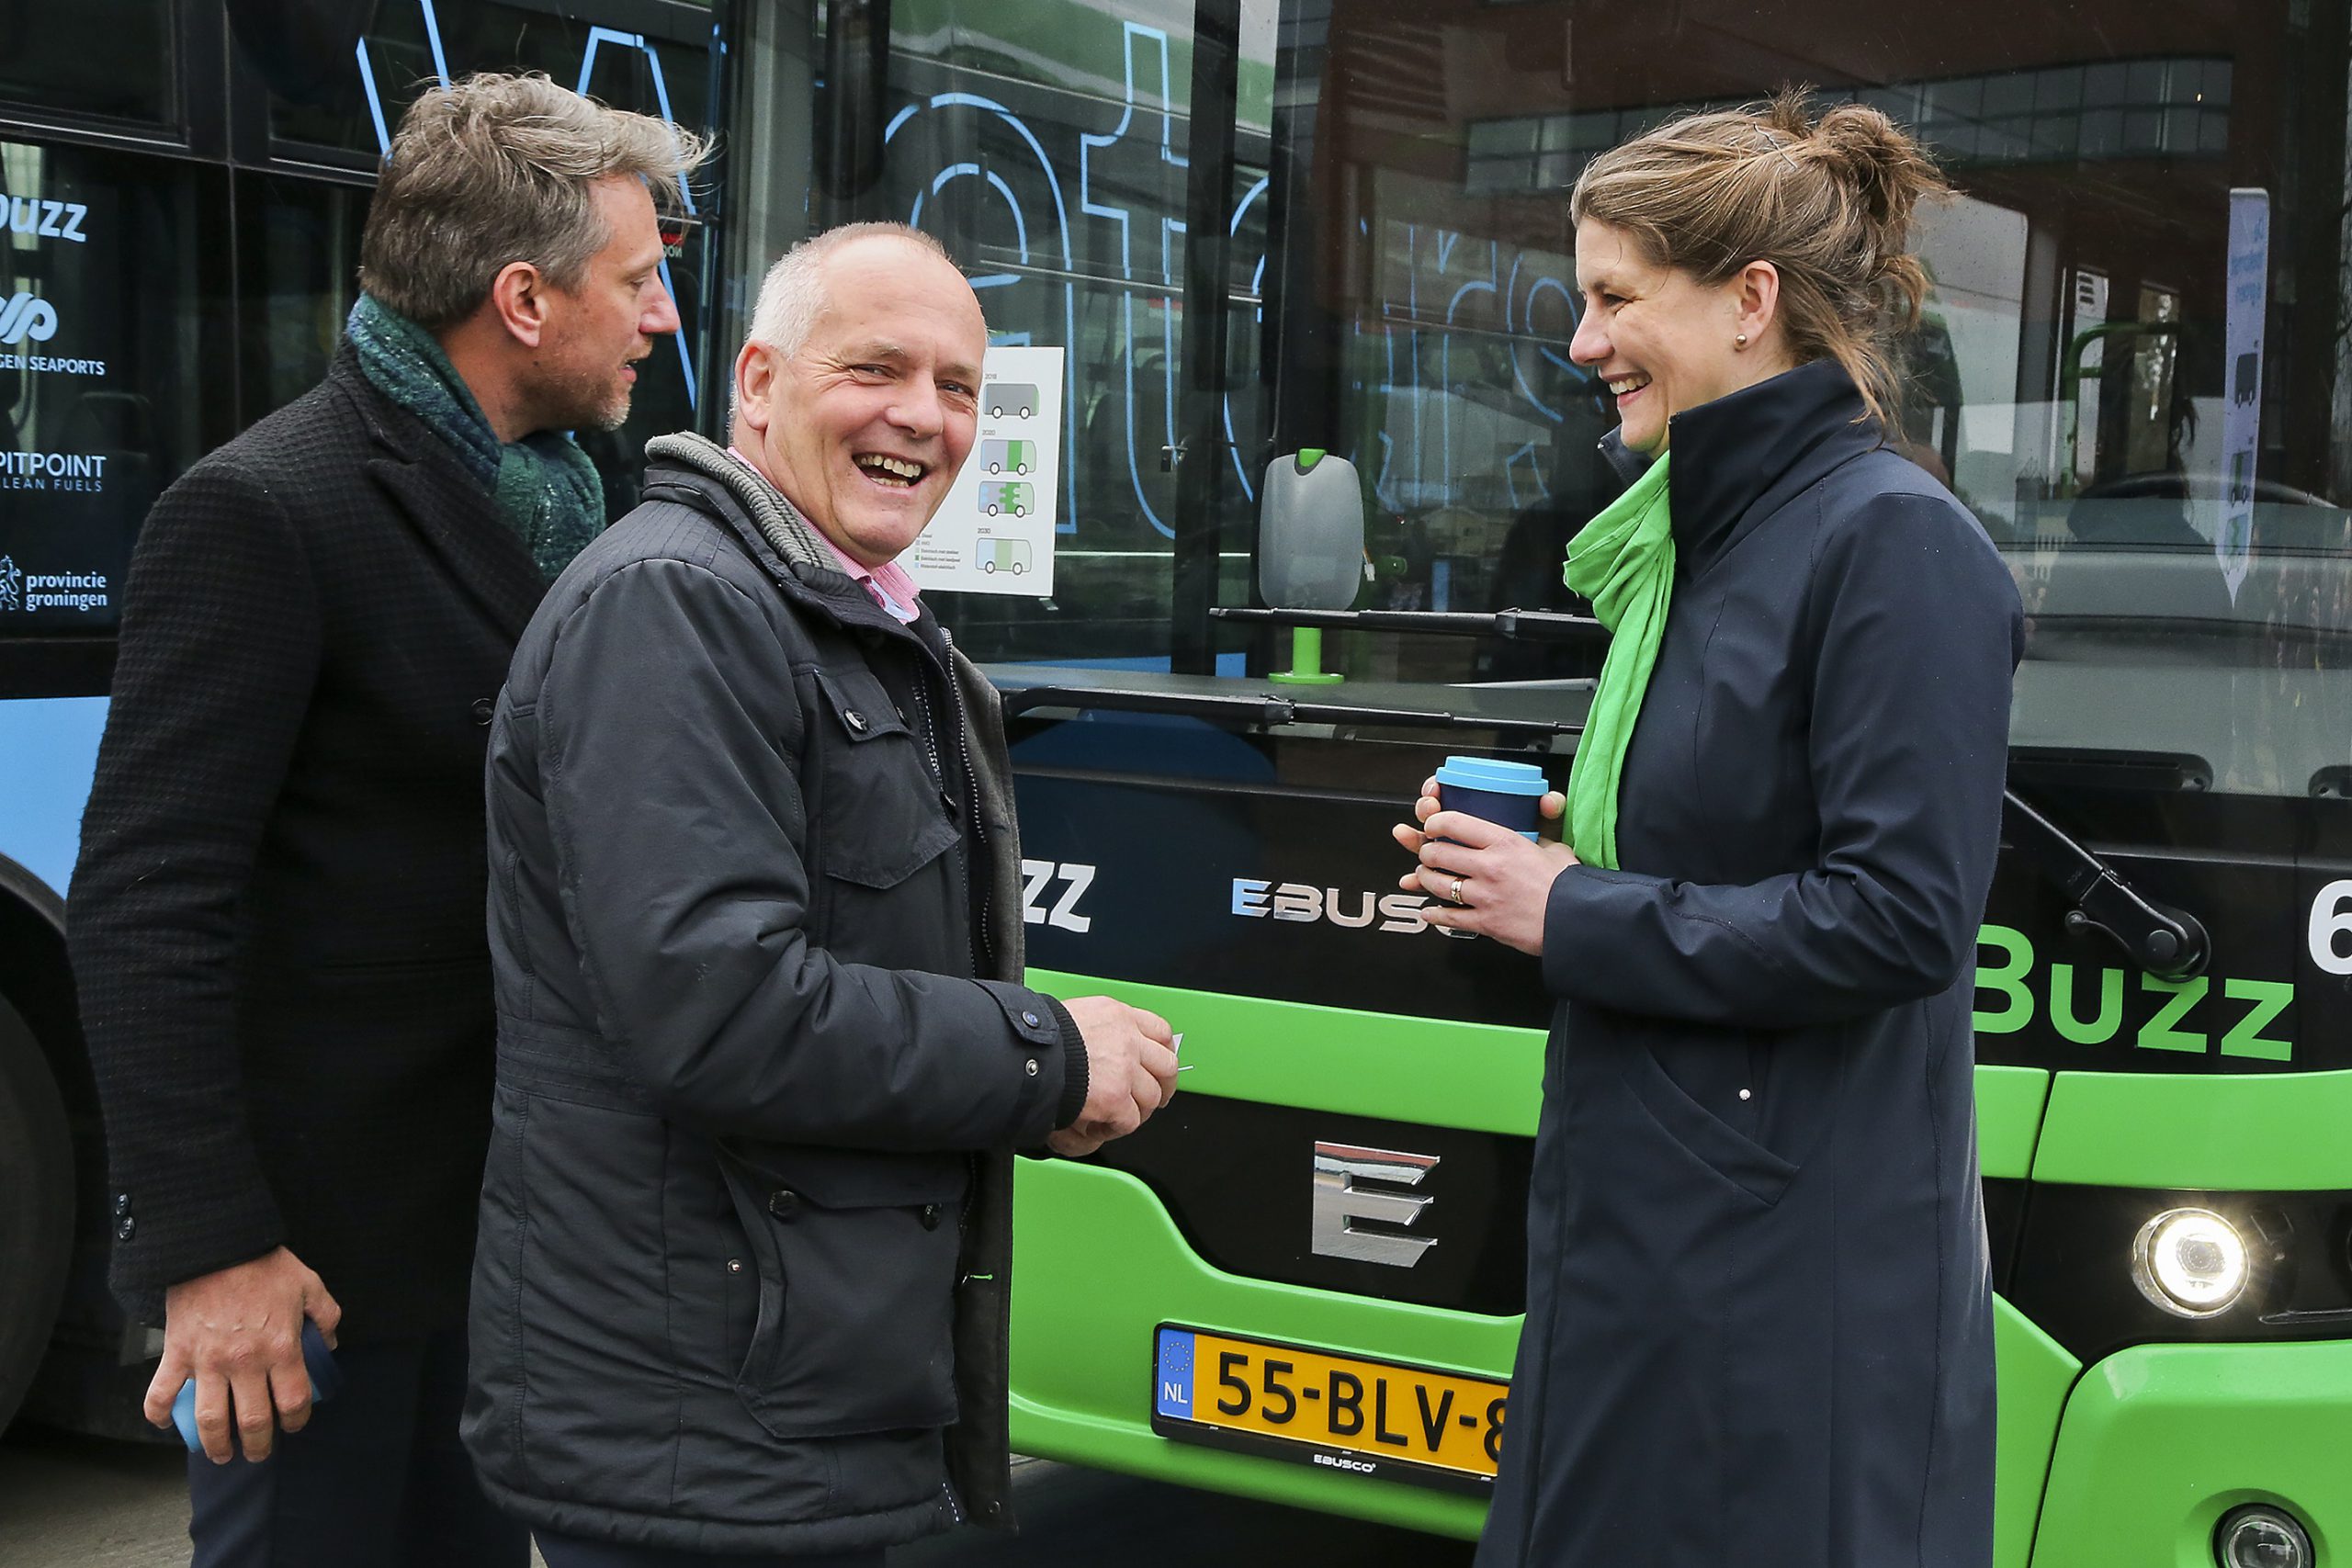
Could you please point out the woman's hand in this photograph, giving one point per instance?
(1481, 877)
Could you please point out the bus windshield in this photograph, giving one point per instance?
(2102, 373)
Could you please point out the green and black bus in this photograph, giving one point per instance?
(1340, 225)
(1343, 227)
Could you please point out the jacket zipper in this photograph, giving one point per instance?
(983, 949)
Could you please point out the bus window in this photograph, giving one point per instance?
(107, 58)
(343, 98)
(299, 275)
(108, 304)
(1046, 147)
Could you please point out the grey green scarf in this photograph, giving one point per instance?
(547, 489)
(1623, 562)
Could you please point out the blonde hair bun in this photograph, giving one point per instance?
(1884, 168)
(1830, 199)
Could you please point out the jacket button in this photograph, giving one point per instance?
(483, 709)
(1030, 1019)
(854, 720)
(930, 1216)
(121, 1205)
(734, 1266)
(126, 1228)
(1030, 1067)
(784, 1202)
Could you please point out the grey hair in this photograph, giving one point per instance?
(793, 294)
(497, 169)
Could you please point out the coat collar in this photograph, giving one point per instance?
(457, 519)
(698, 472)
(1741, 457)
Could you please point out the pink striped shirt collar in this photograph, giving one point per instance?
(888, 585)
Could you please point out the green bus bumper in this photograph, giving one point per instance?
(2132, 1461)
(1083, 1317)
(2159, 1441)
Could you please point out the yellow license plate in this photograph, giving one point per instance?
(1340, 1411)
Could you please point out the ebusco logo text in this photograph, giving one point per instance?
(27, 592)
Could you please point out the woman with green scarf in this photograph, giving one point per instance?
(1759, 1319)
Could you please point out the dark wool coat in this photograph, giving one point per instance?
(744, 1266)
(1758, 1326)
(277, 925)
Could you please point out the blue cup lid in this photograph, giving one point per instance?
(1496, 778)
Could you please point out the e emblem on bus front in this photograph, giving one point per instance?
(1339, 1200)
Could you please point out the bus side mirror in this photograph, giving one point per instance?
(1310, 533)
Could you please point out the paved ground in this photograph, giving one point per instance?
(77, 1502)
(73, 1503)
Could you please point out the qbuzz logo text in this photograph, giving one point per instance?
(49, 219)
(1037, 880)
(2090, 1005)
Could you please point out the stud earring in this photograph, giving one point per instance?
(1740, 342)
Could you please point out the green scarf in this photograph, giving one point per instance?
(1623, 562)
(547, 490)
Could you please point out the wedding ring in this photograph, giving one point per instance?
(1454, 893)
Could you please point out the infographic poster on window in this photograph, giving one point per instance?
(994, 533)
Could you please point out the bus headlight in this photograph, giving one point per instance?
(2190, 1262)
(2261, 1537)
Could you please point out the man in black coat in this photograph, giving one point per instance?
(763, 1046)
(276, 922)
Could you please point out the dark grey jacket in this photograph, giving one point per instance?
(743, 1267)
(1759, 1326)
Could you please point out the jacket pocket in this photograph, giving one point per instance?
(857, 1256)
(1703, 1134)
(875, 763)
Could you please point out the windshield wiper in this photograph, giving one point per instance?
(2167, 942)
(1262, 709)
(1526, 626)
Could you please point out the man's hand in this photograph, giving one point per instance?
(1130, 1072)
(238, 1331)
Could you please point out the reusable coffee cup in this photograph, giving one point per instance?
(1504, 793)
(326, 1381)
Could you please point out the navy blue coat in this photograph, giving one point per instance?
(1759, 1323)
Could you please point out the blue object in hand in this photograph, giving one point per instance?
(1508, 793)
(326, 1381)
